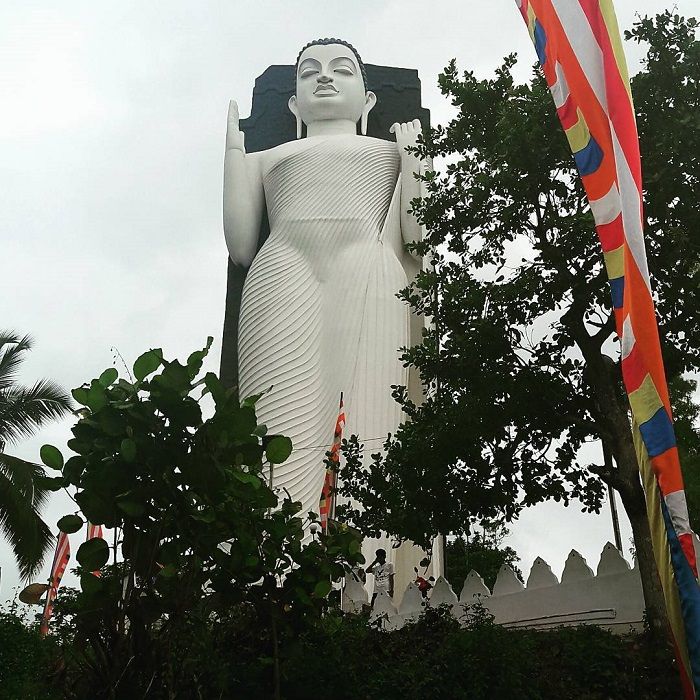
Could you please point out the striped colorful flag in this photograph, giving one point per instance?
(580, 51)
(92, 532)
(326, 506)
(60, 562)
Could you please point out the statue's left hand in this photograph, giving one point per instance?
(406, 135)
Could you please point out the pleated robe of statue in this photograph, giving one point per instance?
(319, 313)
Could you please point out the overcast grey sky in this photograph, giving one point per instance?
(111, 148)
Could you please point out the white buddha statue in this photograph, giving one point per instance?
(319, 313)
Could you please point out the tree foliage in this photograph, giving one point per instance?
(481, 551)
(197, 534)
(521, 360)
(354, 659)
(23, 493)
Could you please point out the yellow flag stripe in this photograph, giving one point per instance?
(615, 262)
(659, 542)
(610, 19)
(578, 134)
(645, 401)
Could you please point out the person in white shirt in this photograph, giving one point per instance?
(383, 572)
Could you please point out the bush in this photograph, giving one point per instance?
(26, 661)
(437, 658)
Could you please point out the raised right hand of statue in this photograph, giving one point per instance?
(235, 140)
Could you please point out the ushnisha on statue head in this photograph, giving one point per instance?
(331, 85)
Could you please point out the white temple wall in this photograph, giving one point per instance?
(610, 598)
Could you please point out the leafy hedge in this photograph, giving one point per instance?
(346, 658)
(436, 658)
(25, 660)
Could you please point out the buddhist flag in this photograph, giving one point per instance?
(326, 504)
(580, 51)
(60, 562)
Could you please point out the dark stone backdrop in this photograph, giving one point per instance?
(271, 123)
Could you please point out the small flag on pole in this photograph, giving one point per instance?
(326, 505)
(60, 562)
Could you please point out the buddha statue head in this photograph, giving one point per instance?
(331, 85)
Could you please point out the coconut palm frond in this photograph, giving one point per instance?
(22, 484)
(20, 523)
(26, 477)
(12, 349)
(23, 410)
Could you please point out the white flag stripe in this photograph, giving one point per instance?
(560, 89)
(631, 210)
(607, 208)
(584, 44)
(628, 339)
(678, 510)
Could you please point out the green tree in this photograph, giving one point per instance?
(198, 534)
(23, 410)
(521, 357)
(482, 551)
(686, 414)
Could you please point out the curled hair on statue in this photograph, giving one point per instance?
(326, 42)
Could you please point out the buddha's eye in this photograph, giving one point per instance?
(344, 71)
(308, 72)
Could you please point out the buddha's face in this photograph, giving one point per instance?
(329, 85)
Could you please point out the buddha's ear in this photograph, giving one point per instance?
(370, 101)
(294, 109)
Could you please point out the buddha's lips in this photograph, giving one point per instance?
(325, 88)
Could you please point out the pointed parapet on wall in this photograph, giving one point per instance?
(507, 582)
(412, 602)
(442, 594)
(612, 561)
(576, 568)
(541, 575)
(382, 608)
(474, 589)
(354, 594)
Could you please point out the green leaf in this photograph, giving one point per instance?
(248, 478)
(73, 469)
(250, 401)
(168, 571)
(215, 388)
(51, 483)
(91, 584)
(278, 449)
(96, 397)
(80, 395)
(195, 360)
(95, 507)
(70, 524)
(108, 377)
(322, 588)
(51, 457)
(93, 554)
(175, 376)
(128, 450)
(131, 506)
(147, 363)
(205, 516)
(243, 423)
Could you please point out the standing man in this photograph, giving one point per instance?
(383, 572)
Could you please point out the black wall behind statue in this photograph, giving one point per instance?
(271, 123)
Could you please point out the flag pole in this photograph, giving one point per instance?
(608, 461)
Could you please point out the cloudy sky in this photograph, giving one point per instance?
(111, 147)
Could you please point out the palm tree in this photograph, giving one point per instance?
(23, 410)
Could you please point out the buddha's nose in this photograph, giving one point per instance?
(323, 78)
